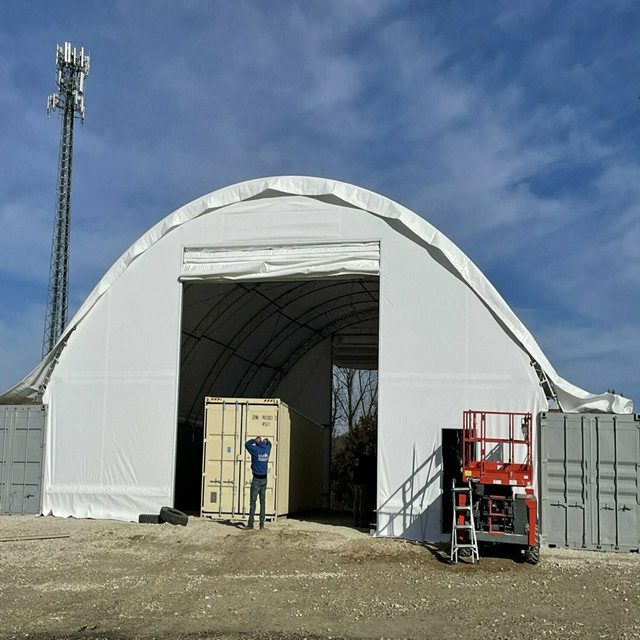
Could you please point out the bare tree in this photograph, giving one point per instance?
(355, 394)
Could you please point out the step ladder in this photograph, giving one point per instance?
(463, 530)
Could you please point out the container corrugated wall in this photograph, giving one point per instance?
(296, 463)
(21, 455)
(590, 481)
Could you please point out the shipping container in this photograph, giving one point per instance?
(590, 480)
(21, 455)
(296, 463)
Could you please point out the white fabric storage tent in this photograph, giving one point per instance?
(255, 290)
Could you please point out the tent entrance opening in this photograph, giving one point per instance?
(267, 339)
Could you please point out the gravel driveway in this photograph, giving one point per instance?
(295, 579)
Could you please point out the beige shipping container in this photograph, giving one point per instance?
(295, 468)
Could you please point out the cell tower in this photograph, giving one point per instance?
(72, 71)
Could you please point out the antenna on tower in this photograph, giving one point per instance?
(73, 68)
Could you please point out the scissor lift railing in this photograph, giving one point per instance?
(478, 440)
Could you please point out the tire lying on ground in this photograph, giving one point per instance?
(173, 516)
(149, 518)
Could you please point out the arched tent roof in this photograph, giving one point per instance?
(570, 397)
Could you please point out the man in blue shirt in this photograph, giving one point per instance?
(259, 450)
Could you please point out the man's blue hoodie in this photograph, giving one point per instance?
(259, 456)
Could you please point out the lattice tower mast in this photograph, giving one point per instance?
(73, 68)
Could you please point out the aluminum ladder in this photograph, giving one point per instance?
(463, 526)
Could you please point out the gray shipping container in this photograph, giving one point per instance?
(21, 457)
(590, 480)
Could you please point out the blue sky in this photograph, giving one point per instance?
(512, 127)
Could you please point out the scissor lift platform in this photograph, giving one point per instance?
(496, 459)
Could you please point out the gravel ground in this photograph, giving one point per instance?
(296, 579)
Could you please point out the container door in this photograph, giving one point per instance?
(614, 499)
(21, 452)
(262, 420)
(222, 448)
(564, 481)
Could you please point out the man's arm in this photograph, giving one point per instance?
(249, 443)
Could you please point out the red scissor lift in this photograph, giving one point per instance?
(496, 459)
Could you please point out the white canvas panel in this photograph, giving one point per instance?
(112, 401)
(284, 220)
(450, 355)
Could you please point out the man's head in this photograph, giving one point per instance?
(258, 440)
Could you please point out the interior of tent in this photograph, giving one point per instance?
(247, 339)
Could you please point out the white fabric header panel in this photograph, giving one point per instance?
(287, 261)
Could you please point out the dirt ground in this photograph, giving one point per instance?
(295, 579)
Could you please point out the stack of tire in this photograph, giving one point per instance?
(167, 514)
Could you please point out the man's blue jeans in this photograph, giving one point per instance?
(258, 488)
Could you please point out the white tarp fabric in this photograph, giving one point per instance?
(318, 261)
(570, 397)
(447, 342)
